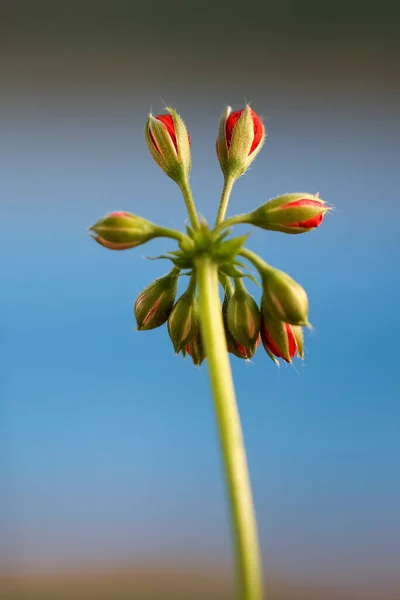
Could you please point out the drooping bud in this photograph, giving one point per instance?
(278, 337)
(183, 322)
(154, 304)
(169, 144)
(234, 347)
(122, 230)
(291, 213)
(241, 136)
(284, 297)
(195, 349)
(243, 319)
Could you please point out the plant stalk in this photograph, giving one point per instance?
(230, 433)
(226, 192)
(190, 205)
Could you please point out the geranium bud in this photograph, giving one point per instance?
(154, 304)
(291, 213)
(243, 318)
(241, 136)
(183, 322)
(169, 144)
(234, 347)
(195, 349)
(122, 230)
(284, 297)
(277, 336)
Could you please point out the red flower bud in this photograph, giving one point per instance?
(169, 124)
(169, 144)
(240, 138)
(273, 347)
(121, 230)
(311, 223)
(279, 338)
(258, 128)
(290, 213)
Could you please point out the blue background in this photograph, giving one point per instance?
(108, 440)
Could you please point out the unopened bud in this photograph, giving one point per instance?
(154, 304)
(169, 144)
(122, 230)
(241, 136)
(183, 322)
(284, 297)
(278, 337)
(291, 213)
(243, 318)
(195, 349)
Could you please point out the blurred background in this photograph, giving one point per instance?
(111, 480)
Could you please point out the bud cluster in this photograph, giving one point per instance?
(278, 322)
(283, 312)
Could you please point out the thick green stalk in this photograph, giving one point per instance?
(226, 192)
(230, 432)
(190, 205)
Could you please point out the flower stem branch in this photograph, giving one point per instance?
(190, 205)
(230, 432)
(226, 192)
(171, 233)
(255, 260)
(235, 220)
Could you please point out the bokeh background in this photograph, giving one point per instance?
(111, 481)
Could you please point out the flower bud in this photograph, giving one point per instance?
(291, 213)
(234, 347)
(169, 144)
(195, 349)
(122, 230)
(154, 304)
(241, 136)
(279, 338)
(284, 297)
(243, 318)
(183, 322)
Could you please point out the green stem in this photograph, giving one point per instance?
(226, 192)
(190, 205)
(255, 260)
(235, 220)
(230, 432)
(171, 233)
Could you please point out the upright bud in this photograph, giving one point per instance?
(291, 213)
(169, 144)
(243, 318)
(183, 322)
(195, 349)
(154, 304)
(241, 136)
(279, 338)
(122, 230)
(284, 297)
